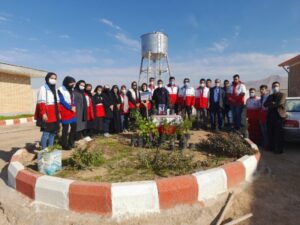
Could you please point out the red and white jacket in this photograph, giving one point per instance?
(202, 98)
(90, 108)
(46, 105)
(66, 103)
(124, 108)
(136, 98)
(151, 88)
(186, 96)
(253, 108)
(234, 96)
(173, 93)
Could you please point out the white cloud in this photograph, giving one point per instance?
(110, 24)
(3, 18)
(219, 46)
(64, 36)
(130, 43)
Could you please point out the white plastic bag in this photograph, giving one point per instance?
(49, 162)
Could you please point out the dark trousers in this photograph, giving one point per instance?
(186, 110)
(106, 124)
(202, 118)
(173, 109)
(124, 122)
(275, 133)
(68, 137)
(216, 114)
(226, 114)
(237, 111)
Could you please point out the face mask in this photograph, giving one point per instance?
(52, 81)
(81, 88)
(252, 94)
(202, 85)
(217, 84)
(99, 92)
(275, 89)
(172, 82)
(160, 85)
(152, 82)
(186, 84)
(124, 91)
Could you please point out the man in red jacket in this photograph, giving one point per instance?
(173, 92)
(202, 104)
(186, 99)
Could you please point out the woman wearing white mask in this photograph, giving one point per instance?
(47, 110)
(81, 108)
(124, 109)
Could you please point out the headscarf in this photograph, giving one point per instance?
(67, 81)
(77, 86)
(96, 89)
(89, 93)
(53, 90)
(84, 105)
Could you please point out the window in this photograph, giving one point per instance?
(292, 105)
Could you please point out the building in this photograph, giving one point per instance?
(292, 67)
(16, 94)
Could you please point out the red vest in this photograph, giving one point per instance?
(135, 98)
(173, 91)
(186, 96)
(90, 109)
(202, 98)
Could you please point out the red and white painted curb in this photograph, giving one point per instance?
(16, 121)
(130, 198)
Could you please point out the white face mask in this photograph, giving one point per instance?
(52, 81)
(152, 82)
(275, 89)
(252, 94)
(81, 87)
(186, 84)
(160, 85)
(217, 84)
(124, 91)
(202, 85)
(99, 92)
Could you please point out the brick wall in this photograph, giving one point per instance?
(294, 81)
(15, 94)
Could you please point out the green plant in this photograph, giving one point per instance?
(184, 127)
(84, 159)
(228, 145)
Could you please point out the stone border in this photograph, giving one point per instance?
(131, 198)
(16, 121)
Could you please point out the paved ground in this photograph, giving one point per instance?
(273, 198)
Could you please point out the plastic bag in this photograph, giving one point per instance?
(49, 162)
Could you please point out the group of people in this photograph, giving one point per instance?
(84, 112)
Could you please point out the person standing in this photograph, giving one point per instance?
(81, 109)
(152, 86)
(145, 100)
(68, 112)
(47, 112)
(116, 102)
(253, 108)
(263, 116)
(186, 99)
(161, 99)
(216, 105)
(173, 92)
(209, 83)
(202, 105)
(133, 100)
(236, 99)
(226, 109)
(90, 111)
(99, 110)
(124, 109)
(109, 107)
(275, 117)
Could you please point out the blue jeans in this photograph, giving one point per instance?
(47, 139)
(237, 111)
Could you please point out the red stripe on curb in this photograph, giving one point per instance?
(29, 119)
(235, 173)
(2, 123)
(25, 183)
(90, 197)
(177, 190)
(17, 121)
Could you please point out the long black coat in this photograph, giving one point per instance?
(107, 101)
(116, 125)
(81, 110)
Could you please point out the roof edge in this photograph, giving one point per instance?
(22, 71)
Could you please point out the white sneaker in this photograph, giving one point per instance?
(88, 138)
(107, 135)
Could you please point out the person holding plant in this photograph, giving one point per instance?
(161, 99)
(186, 99)
(68, 112)
(145, 99)
(47, 112)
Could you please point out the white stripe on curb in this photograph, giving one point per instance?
(53, 191)
(13, 169)
(211, 183)
(250, 164)
(134, 198)
(9, 122)
(23, 120)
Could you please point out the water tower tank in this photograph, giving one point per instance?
(154, 45)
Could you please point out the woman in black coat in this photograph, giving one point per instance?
(99, 110)
(116, 101)
(108, 107)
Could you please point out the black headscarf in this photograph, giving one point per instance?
(88, 92)
(84, 109)
(96, 89)
(67, 81)
(77, 86)
(53, 90)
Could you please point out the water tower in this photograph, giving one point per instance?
(154, 61)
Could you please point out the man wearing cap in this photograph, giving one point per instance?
(173, 92)
(186, 99)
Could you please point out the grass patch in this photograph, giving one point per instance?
(15, 117)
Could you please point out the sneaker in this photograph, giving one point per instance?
(88, 138)
(107, 135)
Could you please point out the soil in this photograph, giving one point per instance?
(122, 162)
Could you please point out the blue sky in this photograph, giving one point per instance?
(99, 41)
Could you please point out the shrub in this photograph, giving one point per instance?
(161, 162)
(84, 159)
(228, 145)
